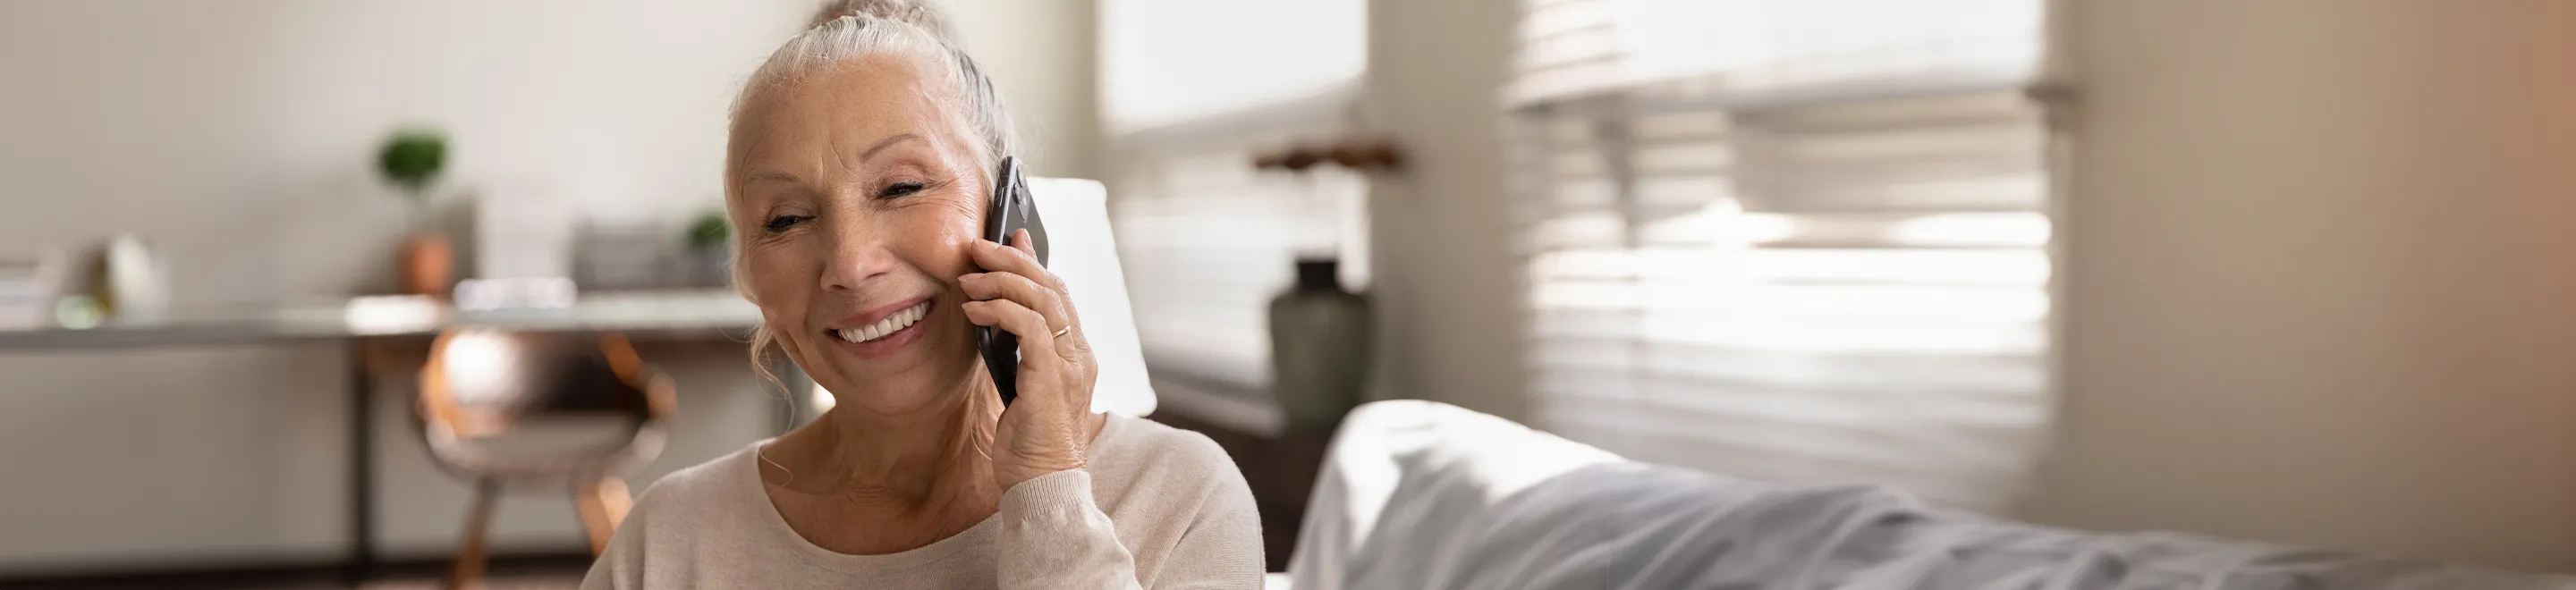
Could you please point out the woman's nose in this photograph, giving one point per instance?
(856, 257)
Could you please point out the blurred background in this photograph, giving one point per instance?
(2284, 271)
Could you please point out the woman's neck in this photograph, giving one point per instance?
(935, 460)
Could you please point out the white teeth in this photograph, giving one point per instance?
(891, 324)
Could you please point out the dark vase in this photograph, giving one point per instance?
(1319, 341)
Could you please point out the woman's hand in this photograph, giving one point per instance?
(1048, 428)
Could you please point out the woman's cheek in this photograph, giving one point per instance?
(774, 278)
(950, 235)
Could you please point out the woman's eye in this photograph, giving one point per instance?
(782, 222)
(899, 189)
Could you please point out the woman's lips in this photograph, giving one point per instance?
(886, 343)
(865, 318)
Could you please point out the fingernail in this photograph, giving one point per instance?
(970, 276)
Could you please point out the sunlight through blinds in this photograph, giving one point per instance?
(1191, 91)
(1790, 240)
(1207, 241)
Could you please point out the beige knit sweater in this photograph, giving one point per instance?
(1158, 507)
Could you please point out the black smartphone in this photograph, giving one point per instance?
(1012, 210)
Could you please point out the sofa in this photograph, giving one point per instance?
(1422, 495)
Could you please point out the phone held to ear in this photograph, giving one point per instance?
(1012, 210)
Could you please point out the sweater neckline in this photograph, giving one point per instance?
(743, 468)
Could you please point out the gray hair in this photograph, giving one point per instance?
(894, 28)
(849, 29)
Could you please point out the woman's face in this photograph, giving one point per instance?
(857, 196)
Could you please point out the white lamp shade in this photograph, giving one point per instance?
(1082, 252)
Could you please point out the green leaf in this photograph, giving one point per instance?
(411, 159)
(709, 231)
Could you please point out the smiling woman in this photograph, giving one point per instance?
(859, 171)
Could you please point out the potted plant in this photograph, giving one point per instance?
(411, 161)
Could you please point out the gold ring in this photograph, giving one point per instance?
(1067, 328)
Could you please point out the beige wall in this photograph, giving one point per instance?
(1444, 279)
(2319, 289)
(236, 133)
(1041, 53)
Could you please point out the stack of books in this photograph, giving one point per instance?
(28, 287)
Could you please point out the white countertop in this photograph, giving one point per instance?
(384, 316)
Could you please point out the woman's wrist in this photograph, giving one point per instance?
(1047, 497)
(1010, 474)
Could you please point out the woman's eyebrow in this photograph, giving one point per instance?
(886, 143)
(773, 176)
(782, 176)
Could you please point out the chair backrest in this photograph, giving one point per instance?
(480, 382)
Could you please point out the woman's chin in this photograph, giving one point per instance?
(908, 378)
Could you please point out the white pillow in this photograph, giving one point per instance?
(1082, 252)
(1380, 446)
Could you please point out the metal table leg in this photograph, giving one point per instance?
(362, 465)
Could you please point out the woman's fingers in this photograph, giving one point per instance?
(1065, 311)
(1021, 259)
(1045, 431)
(1015, 274)
(1020, 289)
(1037, 341)
(1020, 240)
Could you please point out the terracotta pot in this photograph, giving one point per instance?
(428, 264)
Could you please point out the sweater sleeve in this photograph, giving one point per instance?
(1054, 536)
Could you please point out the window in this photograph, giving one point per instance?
(1192, 90)
(1790, 240)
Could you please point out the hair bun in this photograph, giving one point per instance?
(904, 11)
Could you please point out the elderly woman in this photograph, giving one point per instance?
(860, 165)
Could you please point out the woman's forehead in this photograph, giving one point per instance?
(844, 108)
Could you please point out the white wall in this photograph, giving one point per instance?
(236, 135)
(2319, 289)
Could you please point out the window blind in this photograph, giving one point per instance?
(1207, 241)
(1192, 91)
(1791, 240)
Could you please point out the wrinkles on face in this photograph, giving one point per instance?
(856, 189)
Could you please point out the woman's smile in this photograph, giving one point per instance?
(884, 331)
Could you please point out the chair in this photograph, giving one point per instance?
(511, 409)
